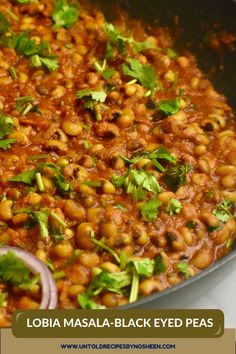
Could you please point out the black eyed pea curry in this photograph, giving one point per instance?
(117, 158)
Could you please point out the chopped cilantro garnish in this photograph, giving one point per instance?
(24, 1)
(183, 268)
(27, 177)
(120, 41)
(14, 272)
(61, 183)
(104, 70)
(169, 107)
(6, 144)
(93, 100)
(65, 14)
(41, 218)
(121, 207)
(24, 104)
(150, 209)
(174, 207)
(96, 184)
(176, 176)
(38, 54)
(144, 73)
(3, 299)
(6, 125)
(98, 96)
(154, 156)
(4, 24)
(135, 182)
(159, 265)
(171, 54)
(224, 210)
(87, 303)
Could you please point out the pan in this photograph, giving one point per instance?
(196, 19)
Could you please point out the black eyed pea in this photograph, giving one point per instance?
(83, 236)
(231, 157)
(110, 300)
(26, 303)
(210, 219)
(58, 146)
(6, 210)
(164, 197)
(20, 137)
(63, 250)
(87, 161)
(75, 290)
(176, 240)
(89, 259)
(173, 279)
(94, 214)
(229, 182)
(72, 128)
(107, 229)
(48, 184)
(148, 286)
(202, 258)
(188, 235)
(110, 267)
(108, 187)
(74, 211)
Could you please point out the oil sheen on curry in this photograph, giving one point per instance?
(117, 159)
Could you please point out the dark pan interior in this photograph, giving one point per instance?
(196, 19)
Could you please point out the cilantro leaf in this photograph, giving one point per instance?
(120, 41)
(24, 104)
(24, 1)
(143, 267)
(4, 24)
(93, 100)
(174, 207)
(14, 271)
(26, 177)
(176, 176)
(50, 63)
(171, 54)
(169, 107)
(98, 96)
(135, 182)
(159, 265)
(6, 125)
(150, 209)
(61, 183)
(3, 299)
(144, 73)
(223, 212)
(104, 70)
(41, 218)
(6, 144)
(38, 54)
(109, 51)
(183, 268)
(88, 304)
(113, 282)
(65, 14)
(154, 156)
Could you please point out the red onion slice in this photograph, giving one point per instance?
(49, 289)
